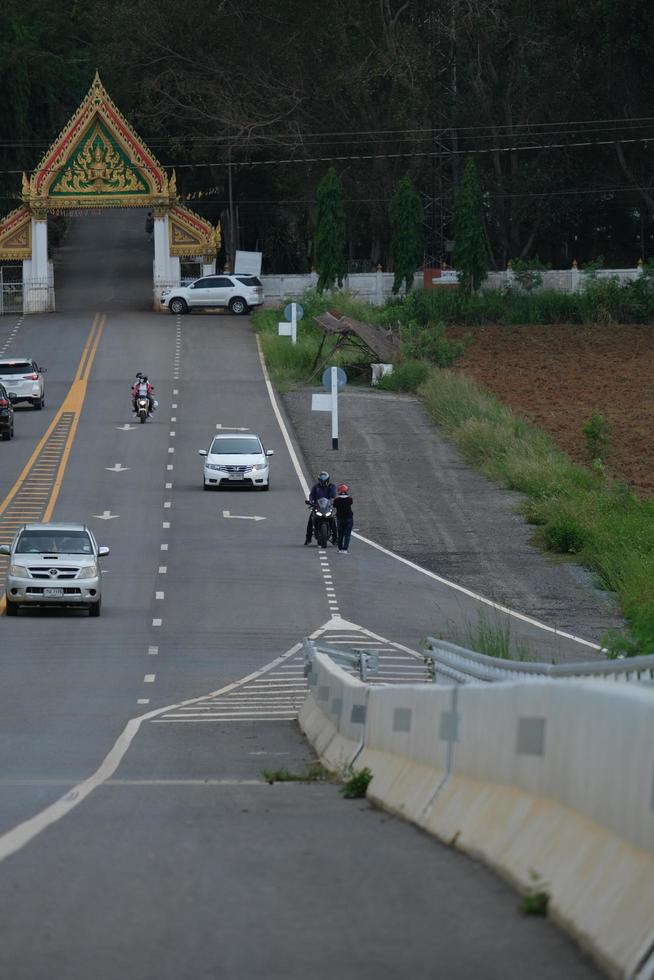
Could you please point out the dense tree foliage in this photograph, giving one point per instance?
(407, 234)
(552, 101)
(330, 232)
(469, 245)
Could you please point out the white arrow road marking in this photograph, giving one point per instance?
(125, 428)
(106, 516)
(241, 517)
(232, 428)
(117, 468)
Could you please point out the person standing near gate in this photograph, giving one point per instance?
(344, 517)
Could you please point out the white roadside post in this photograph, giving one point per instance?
(334, 378)
(334, 394)
(293, 312)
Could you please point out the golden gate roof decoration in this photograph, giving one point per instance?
(97, 161)
(189, 234)
(16, 235)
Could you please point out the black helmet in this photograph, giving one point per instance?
(139, 374)
(323, 477)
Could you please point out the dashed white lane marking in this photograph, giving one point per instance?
(12, 336)
(165, 525)
(169, 486)
(167, 503)
(153, 651)
(171, 449)
(172, 433)
(149, 678)
(143, 700)
(163, 547)
(169, 466)
(159, 595)
(156, 622)
(174, 405)
(163, 569)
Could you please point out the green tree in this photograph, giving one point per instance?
(470, 256)
(407, 233)
(329, 246)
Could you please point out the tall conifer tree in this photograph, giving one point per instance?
(329, 248)
(470, 254)
(407, 233)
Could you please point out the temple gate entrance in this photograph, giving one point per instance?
(98, 161)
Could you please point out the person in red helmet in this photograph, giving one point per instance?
(344, 517)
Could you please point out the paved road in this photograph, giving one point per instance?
(176, 859)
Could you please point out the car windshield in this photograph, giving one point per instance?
(237, 446)
(54, 543)
(17, 367)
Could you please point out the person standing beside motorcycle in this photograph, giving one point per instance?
(321, 489)
(344, 517)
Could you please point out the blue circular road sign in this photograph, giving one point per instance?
(288, 311)
(341, 379)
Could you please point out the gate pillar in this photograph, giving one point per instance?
(166, 270)
(38, 280)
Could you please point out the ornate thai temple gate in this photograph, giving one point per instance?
(98, 161)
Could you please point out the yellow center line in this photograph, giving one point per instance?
(71, 405)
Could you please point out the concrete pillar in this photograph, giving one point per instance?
(38, 289)
(166, 267)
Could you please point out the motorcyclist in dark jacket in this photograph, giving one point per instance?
(322, 488)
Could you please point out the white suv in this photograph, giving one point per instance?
(23, 379)
(236, 292)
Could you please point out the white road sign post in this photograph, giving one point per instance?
(293, 312)
(334, 380)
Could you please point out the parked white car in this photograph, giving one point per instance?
(237, 293)
(23, 379)
(236, 460)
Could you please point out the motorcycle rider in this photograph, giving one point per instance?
(144, 389)
(321, 488)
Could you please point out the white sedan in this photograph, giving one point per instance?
(236, 461)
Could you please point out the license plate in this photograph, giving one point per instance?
(236, 476)
(53, 593)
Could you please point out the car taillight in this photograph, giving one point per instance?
(3, 403)
(30, 377)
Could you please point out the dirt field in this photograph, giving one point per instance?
(556, 375)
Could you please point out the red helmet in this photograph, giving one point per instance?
(342, 488)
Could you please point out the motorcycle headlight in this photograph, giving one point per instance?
(89, 571)
(19, 571)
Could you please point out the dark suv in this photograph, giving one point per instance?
(6, 415)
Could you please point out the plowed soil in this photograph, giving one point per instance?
(556, 375)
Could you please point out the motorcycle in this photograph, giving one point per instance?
(142, 408)
(323, 521)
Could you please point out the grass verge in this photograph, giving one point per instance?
(577, 512)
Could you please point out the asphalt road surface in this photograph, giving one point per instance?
(138, 838)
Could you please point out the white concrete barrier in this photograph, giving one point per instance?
(554, 779)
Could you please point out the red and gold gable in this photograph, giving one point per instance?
(97, 161)
(189, 234)
(16, 235)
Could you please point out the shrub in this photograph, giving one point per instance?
(597, 432)
(406, 376)
(528, 273)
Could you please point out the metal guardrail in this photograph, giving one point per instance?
(447, 660)
(363, 661)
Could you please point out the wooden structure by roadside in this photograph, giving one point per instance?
(379, 344)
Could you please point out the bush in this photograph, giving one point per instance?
(406, 376)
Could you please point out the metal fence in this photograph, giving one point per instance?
(449, 663)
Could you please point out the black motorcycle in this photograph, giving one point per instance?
(322, 525)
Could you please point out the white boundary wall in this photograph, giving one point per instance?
(376, 287)
(557, 778)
